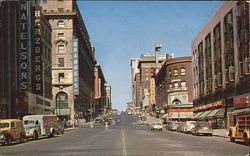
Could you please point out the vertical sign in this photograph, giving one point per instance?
(36, 56)
(75, 67)
(23, 57)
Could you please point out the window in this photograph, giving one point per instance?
(176, 85)
(60, 24)
(60, 62)
(61, 77)
(169, 73)
(60, 49)
(183, 84)
(12, 125)
(175, 72)
(60, 9)
(183, 71)
(61, 100)
(170, 85)
(60, 35)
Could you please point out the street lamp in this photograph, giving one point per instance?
(157, 49)
(44, 68)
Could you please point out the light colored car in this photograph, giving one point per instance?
(188, 126)
(202, 127)
(157, 126)
(11, 130)
(172, 126)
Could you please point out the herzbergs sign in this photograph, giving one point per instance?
(37, 66)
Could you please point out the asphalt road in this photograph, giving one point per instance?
(123, 140)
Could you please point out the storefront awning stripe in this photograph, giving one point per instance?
(214, 112)
(197, 115)
(205, 114)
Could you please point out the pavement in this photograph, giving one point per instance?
(124, 140)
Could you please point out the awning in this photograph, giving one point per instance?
(241, 111)
(197, 115)
(213, 112)
(204, 114)
(165, 116)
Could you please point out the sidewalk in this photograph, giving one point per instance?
(220, 133)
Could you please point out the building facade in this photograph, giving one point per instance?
(146, 87)
(174, 89)
(73, 60)
(25, 51)
(221, 65)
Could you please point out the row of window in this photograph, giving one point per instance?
(176, 72)
(176, 85)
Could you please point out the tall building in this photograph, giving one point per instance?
(25, 51)
(174, 89)
(72, 58)
(100, 90)
(142, 84)
(221, 65)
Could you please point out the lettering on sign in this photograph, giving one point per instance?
(75, 67)
(23, 57)
(37, 65)
(241, 100)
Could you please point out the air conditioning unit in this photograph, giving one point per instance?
(247, 65)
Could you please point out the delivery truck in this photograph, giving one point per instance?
(40, 125)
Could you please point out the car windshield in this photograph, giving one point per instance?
(29, 122)
(203, 124)
(4, 125)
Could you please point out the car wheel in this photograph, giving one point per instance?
(52, 134)
(8, 141)
(35, 136)
(21, 138)
(246, 140)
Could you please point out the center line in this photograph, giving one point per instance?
(124, 144)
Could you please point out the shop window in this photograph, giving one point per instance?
(247, 65)
(169, 73)
(231, 73)
(61, 100)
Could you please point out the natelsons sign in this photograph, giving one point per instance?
(23, 57)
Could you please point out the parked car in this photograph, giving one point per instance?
(157, 126)
(59, 127)
(188, 126)
(40, 125)
(11, 130)
(202, 127)
(172, 126)
(181, 126)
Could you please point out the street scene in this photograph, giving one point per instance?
(123, 139)
(124, 78)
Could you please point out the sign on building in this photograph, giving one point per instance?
(75, 67)
(37, 66)
(23, 57)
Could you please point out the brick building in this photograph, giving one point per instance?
(174, 89)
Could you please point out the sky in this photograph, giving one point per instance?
(121, 30)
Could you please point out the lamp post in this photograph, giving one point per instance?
(157, 49)
(45, 67)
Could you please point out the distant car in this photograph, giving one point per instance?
(143, 118)
(157, 126)
(202, 127)
(181, 126)
(172, 126)
(143, 124)
(188, 126)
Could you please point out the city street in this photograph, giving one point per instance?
(122, 139)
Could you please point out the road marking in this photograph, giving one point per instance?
(124, 144)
